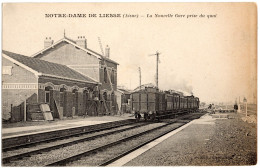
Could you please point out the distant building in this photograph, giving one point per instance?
(123, 100)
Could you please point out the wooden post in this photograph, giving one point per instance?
(140, 77)
(246, 109)
(239, 108)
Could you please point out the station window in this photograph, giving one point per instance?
(112, 76)
(90, 95)
(7, 70)
(105, 75)
(47, 95)
(86, 93)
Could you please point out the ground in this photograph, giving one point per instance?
(219, 142)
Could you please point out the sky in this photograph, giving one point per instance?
(214, 56)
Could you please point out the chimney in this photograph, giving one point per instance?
(107, 51)
(48, 42)
(82, 41)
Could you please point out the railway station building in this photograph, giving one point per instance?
(73, 79)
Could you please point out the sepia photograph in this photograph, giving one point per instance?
(129, 84)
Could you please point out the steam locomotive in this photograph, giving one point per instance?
(150, 103)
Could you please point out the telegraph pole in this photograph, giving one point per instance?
(157, 72)
(140, 77)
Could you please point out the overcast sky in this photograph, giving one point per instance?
(215, 58)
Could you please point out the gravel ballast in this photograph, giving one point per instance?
(120, 148)
(54, 155)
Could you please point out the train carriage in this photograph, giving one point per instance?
(190, 103)
(181, 102)
(176, 101)
(197, 103)
(169, 101)
(144, 103)
(185, 103)
(150, 103)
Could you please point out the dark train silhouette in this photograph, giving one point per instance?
(150, 103)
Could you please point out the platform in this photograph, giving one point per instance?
(31, 127)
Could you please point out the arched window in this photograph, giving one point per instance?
(105, 75)
(47, 94)
(90, 95)
(113, 98)
(74, 91)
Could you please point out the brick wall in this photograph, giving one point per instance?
(15, 98)
(79, 60)
(71, 100)
(19, 74)
(17, 88)
(68, 54)
(57, 81)
(106, 85)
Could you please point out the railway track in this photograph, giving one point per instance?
(14, 143)
(108, 146)
(67, 142)
(120, 147)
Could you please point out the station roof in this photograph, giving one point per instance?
(45, 68)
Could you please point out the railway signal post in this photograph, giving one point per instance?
(140, 77)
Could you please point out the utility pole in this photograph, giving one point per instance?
(157, 68)
(140, 77)
(157, 62)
